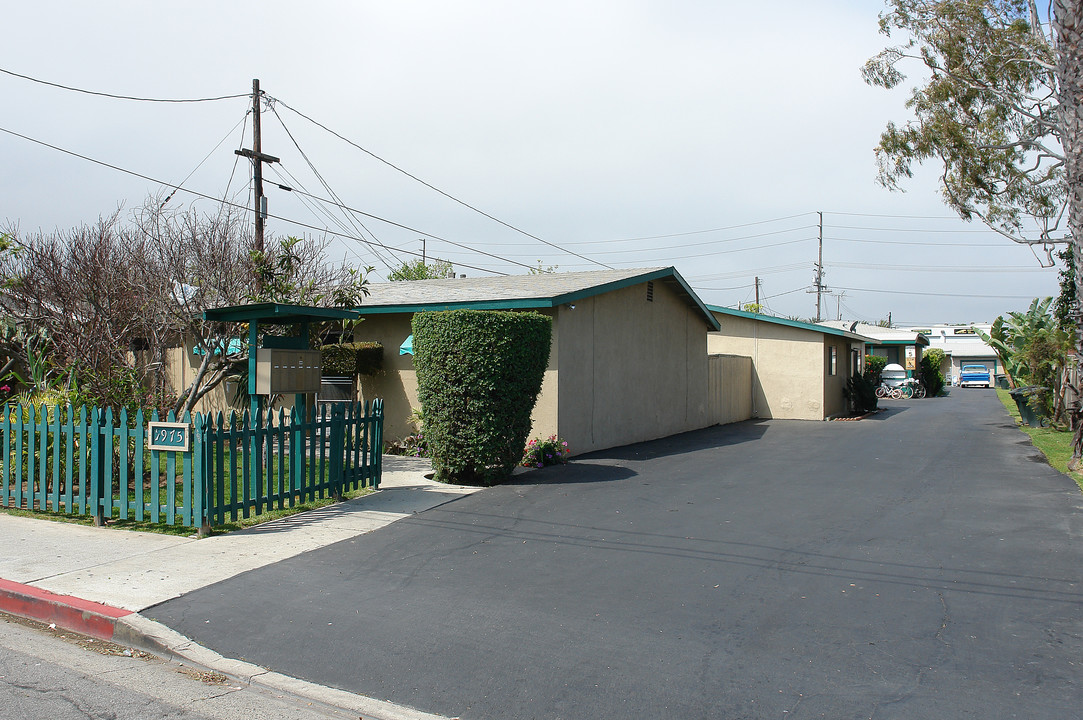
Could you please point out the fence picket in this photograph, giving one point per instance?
(123, 479)
(138, 463)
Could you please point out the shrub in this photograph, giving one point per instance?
(862, 393)
(874, 365)
(478, 376)
(349, 359)
(931, 377)
(550, 451)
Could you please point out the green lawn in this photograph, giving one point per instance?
(1055, 444)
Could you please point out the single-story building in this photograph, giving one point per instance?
(902, 347)
(628, 360)
(799, 370)
(962, 345)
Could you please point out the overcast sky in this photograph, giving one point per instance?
(701, 134)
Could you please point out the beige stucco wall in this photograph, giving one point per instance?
(630, 369)
(397, 382)
(181, 366)
(621, 370)
(788, 366)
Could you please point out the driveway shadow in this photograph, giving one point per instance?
(689, 442)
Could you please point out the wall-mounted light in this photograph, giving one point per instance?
(570, 306)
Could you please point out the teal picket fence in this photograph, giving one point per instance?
(88, 461)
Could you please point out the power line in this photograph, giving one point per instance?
(122, 97)
(902, 217)
(702, 232)
(910, 230)
(298, 223)
(699, 244)
(927, 268)
(241, 122)
(438, 190)
(427, 234)
(919, 244)
(352, 220)
(926, 294)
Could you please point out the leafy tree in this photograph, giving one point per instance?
(1065, 304)
(1002, 110)
(988, 112)
(752, 307)
(418, 269)
(1033, 349)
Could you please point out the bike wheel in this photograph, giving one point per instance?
(906, 392)
(919, 392)
(881, 391)
(896, 393)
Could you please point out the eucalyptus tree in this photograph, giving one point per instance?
(999, 109)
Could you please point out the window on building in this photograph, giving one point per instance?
(833, 368)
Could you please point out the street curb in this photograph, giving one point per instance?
(71, 613)
(155, 637)
(125, 627)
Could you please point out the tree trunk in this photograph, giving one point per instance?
(1067, 16)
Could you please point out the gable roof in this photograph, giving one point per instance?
(520, 292)
(790, 323)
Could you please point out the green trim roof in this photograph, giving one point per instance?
(277, 314)
(519, 292)
(789, 323)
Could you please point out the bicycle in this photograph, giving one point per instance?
(917, 389)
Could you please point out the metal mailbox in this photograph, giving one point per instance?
(281, 372)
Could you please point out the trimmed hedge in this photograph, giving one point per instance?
(478, 377)
(349, 359)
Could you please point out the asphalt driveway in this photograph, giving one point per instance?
(923, 563)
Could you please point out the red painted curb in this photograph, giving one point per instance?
(66, 611)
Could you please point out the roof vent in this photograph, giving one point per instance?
(650, 291)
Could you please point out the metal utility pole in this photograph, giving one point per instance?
(757, 293)
(258, 158)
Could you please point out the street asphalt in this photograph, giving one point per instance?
(924, 562)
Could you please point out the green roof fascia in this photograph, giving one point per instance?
(783, 321)
(919, 340)
(277, 314)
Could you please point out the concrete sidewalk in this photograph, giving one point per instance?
(96, 580)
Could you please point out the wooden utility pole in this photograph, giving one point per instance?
(820, 270)
(258, 158)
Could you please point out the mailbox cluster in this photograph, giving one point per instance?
(284, 372)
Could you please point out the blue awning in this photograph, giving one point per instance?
(407, 347)
(235, 345)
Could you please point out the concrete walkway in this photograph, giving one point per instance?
(96, 580)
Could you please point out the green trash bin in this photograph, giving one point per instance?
(1002, 382)
(1026, 412)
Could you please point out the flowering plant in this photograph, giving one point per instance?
(540, 453)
